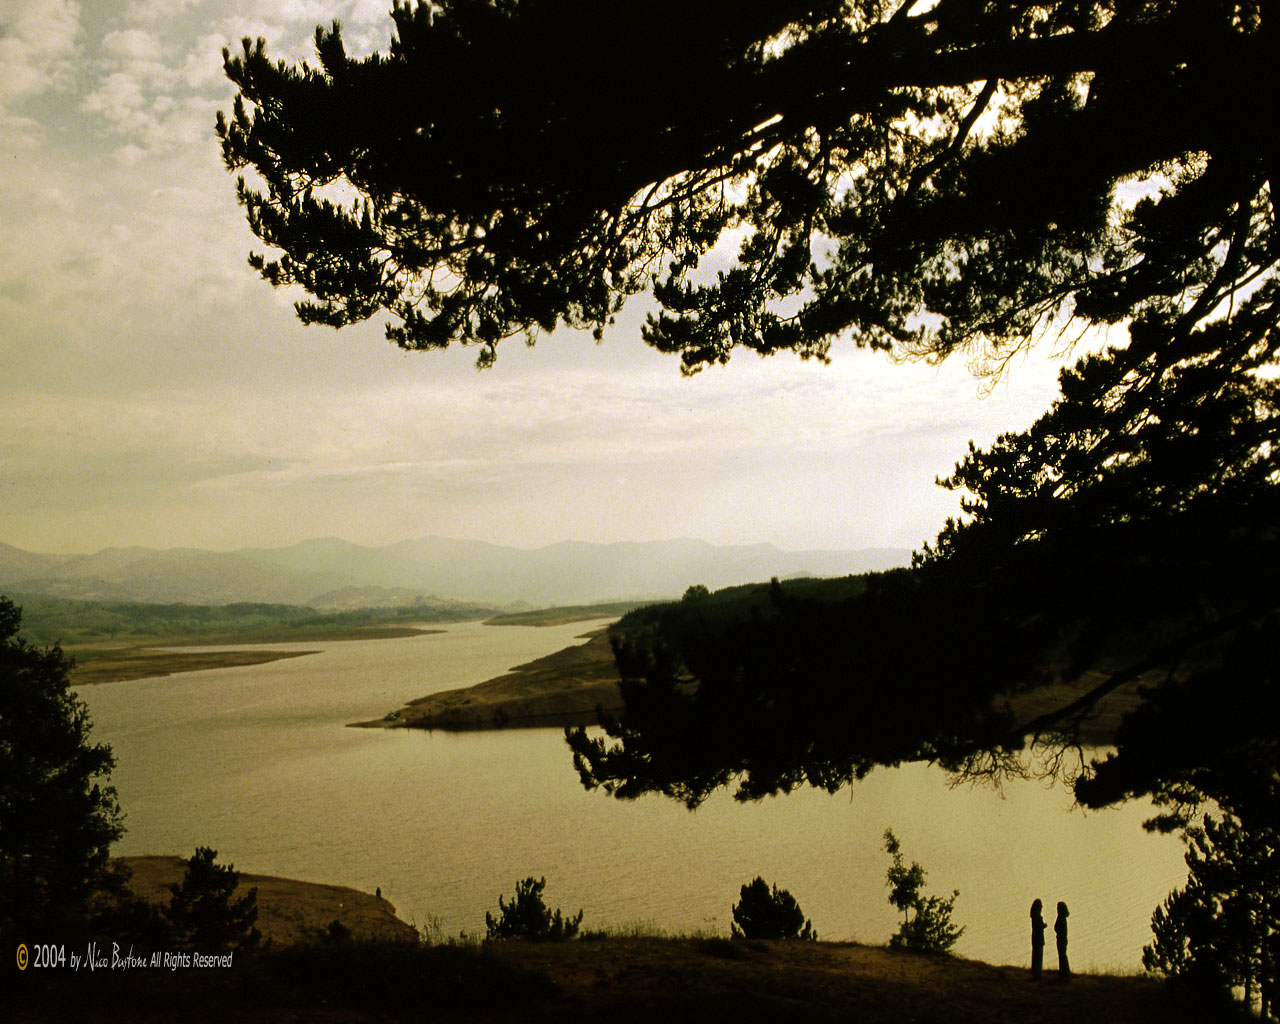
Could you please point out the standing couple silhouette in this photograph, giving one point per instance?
(1037, 941)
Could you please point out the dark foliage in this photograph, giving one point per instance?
(878, 160)
(528, 917)
(1222, 930)
(1103, 548)
(205, 914)
(913, 177)
(764, 913)
(58, 814)
(793, 691)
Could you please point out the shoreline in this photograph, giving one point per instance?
(290, 911)
(159, 660)
(564, 688)
(570, 687)
(147, 663)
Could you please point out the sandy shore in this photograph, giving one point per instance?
(147, 664)
(289, 911)
(111, 666)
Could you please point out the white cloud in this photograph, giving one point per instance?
(37, 47)
(119, 100)
(130, 155)
(157, 107)
(150, 12)
(134, 45)
(201, 67)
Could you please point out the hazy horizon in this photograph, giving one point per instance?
(536, 546)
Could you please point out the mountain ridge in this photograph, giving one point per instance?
(328, 571)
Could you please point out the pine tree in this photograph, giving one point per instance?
(764, 913)
(1220, 930)
(58, 811)
(203, 912)
(527, 916)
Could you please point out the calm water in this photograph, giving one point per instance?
(257, 763)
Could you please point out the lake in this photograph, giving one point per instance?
(257, 763)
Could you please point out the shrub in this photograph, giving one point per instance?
(528, 917)
(926, 920)
(762, 913)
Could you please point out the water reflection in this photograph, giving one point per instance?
(256, 762)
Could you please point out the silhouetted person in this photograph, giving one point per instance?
(1037, 939)
(1060, 930)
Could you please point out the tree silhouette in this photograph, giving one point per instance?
(1220, 930)
(920, 178)
(58, 814)
(204, 913)
(764, 913)
(913, 176)
(527, 916)
(926, 920)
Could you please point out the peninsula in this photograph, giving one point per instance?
(564, 688)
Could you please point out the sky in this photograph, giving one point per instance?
(154, 391)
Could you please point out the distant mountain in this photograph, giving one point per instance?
(143, 574)
(335, 573)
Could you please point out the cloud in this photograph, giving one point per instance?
(150, 12)
(133, 45)
(156, 392)
(37, 57)
(152, 94)
(37, 47)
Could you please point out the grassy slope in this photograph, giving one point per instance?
(699, 980)
(622, 980)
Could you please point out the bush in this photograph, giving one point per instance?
(528, 917)
(926, 920)
(762, 913)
